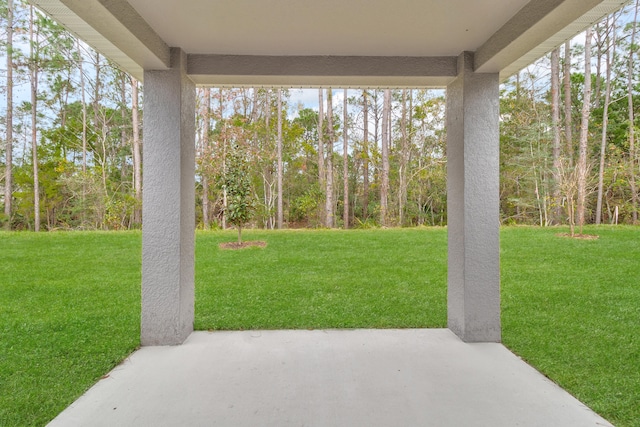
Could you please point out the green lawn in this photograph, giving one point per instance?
(69, 312)
(323, 279)
(69, 303)
(572, 309)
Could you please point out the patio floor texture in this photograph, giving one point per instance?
(415, 377)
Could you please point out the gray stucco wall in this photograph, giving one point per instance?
(168, 205)
(473, 204)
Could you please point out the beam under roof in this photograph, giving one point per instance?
(350, 71)
(113, 28)
(536, 29)
(116, 29)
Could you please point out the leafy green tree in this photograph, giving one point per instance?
(525, 152)
(237, 183)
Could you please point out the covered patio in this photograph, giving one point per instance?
(411, 377)
(467, 47)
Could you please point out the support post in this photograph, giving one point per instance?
(473, 151)
(168, 206)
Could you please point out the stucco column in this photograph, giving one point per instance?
(473, 151)
(168, 204)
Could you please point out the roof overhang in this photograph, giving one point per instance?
(349, 43)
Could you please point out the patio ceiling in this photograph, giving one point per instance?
(329, 42)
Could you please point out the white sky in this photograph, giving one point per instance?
(309, 98)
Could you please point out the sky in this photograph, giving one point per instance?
(309, 98)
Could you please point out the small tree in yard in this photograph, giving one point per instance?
(236, 182)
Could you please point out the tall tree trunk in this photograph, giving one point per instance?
(599, 44)
(404, 162)
(8, 172)
(345, 162)
(268, 174)
(365, 155)
(204, 156)
(137, 152)
(96, 91)
(100, 123)
(255, 113)
(104, 158)
(84, 134)
(611, 46)
(384, 179)
(329, 219)
(123, 129)
(321, 172)
(33, 58)
(84, 119)
(568, 122)
(584, 132)
(224, 159)
(204, 153)
(632, 146)
(555, 123)
(280, 172)
(376, 136)
(410, 134)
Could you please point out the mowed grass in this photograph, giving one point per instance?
(69, 312)
(69, 303)
(571, 308)
(323, 279)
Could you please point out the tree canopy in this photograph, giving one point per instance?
(72, 142)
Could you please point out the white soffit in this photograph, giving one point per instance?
(535, 41)
(506, 35)
(85, 32)
(327, 27)
(130, 43)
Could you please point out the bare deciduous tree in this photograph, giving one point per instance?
(404, 161)
(137, 152)
(555, 123)
(204, 152)
(321, 175)
(34, 75)
(610, 53)
(568, 122)
(384, 179)
(632, 145)
(329, 205)
(8, 172)
(365, 155)
(345, 161)
(280, 213)
(584, 131)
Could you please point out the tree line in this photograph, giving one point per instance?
(71, 149)
(72, 141)
(568, 126)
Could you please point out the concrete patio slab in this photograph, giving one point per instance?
(419, 377)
